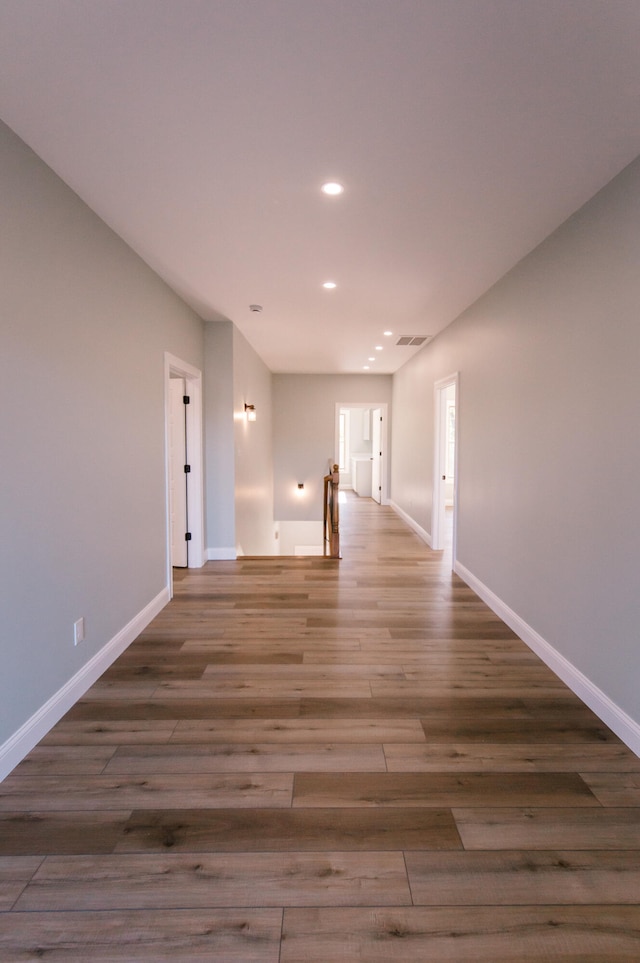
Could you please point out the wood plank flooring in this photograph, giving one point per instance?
(309, 760)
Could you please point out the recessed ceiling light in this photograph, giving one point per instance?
(332, 188)
(371, 359)
(329, 285)
(365, 367)
(378, 347)
(388, 333)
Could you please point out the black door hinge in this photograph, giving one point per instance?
(187, 469)
(186, 399)
(187, 536)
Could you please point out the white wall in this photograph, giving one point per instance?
(301, 538)
(239, 453)
(83, 518)
(359, 426)
(255, 529)
(219, 441)
(549, 363)
(304, 418)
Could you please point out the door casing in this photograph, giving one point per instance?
(195, 494)
(438, 504)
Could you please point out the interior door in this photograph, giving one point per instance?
(376, 454)
(177, 475)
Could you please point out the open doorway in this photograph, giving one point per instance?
(183, 466)
(445, 487)
(360, 448)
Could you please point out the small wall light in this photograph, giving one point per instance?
(250, 412)
(300, 484)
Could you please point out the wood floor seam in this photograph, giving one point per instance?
(303, 759)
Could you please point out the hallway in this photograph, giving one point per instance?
(309, 760)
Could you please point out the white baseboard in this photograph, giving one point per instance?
(410, 522)
(222, 554)
(34, 729)
(611, 714)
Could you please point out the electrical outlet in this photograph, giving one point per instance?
(78, 631)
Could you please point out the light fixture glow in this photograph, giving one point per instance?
(371, 359)
(378, 347)
(332, 188)
(329, 285)
(387, 333)
(250, 412)
(365, 367)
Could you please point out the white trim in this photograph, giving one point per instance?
(424, 535)
(611, 714)
(34, 729)
(222, 554)
(195, 495)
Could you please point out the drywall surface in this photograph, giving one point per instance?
(255, 530)
(219, 440)
(304, 421)
(549, 439)
(301, 538)
(83, 514)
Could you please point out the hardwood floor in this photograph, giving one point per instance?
(308, 760)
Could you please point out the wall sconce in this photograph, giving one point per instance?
(250, 412)
(300, 485)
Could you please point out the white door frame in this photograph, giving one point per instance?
(437, 507)
(178, 480)
(195, 495)
(384, 438)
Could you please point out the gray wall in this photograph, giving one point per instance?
(219, 440)
(239, 455)
(84, 327)
(304, 419)
(253, 451)
(549, 439)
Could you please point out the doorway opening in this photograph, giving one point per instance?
(183, 466)
(445, 483)
(360, 448)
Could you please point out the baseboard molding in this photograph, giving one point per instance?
(222, 554)
(411, 522)
(34, 729)
(611, 714)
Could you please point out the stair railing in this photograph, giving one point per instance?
(332, 514)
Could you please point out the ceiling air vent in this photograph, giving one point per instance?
(413, 340)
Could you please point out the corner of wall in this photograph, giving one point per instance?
(425, 536)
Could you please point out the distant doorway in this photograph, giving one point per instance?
(360, 448)
(445, 463)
